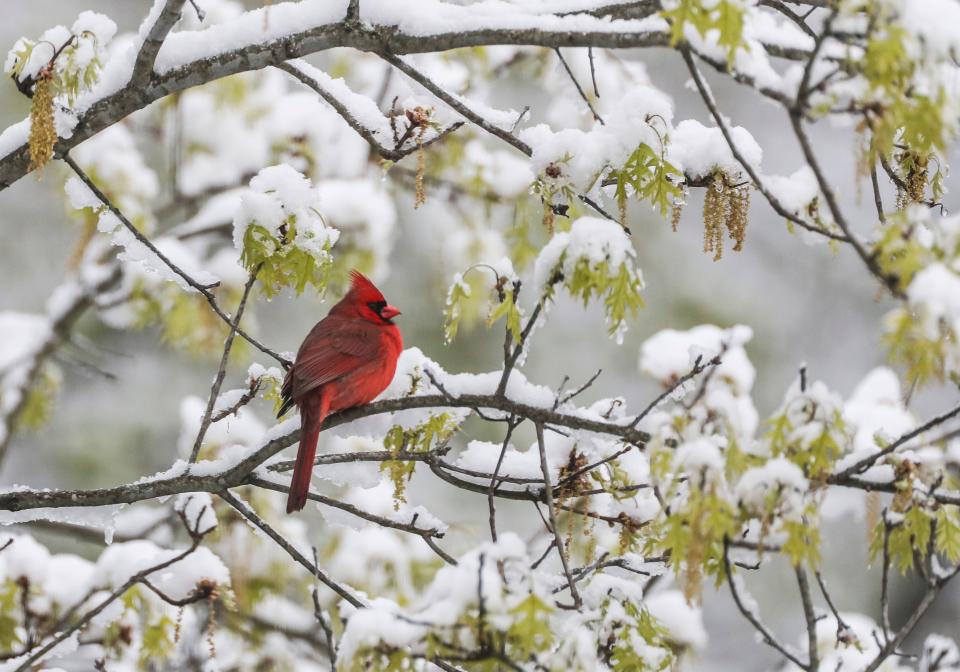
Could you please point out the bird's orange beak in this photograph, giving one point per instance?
(389, 312)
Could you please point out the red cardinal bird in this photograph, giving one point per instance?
(347, 359)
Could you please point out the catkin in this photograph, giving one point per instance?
(676, 210)
(739, 206)
(724, 208)
(917, 182)
(43, 132)
(715, 205)
(421, 193)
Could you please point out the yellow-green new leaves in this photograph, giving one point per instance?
(465, 299)
(923, 252)
(693, 535)
(725, 17)
(948, 533)
(9, 622)
(656, 651)
(39, 398)
(158, 640)
(651, 178)
(530, 631)
(809, 429)
(418, 439)
(594, 259)
(490, 602)
(280, 231)
(909, 104)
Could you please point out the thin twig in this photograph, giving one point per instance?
(491, 506)
(877, 199)
(580, 390)
(862, 465)
(321, 618)
(841, 624)
(810, 617)
(767, 636)
(204, 290)
(697, 369)
(774, 202)
(548, 495)
(222, 370)
(259, 522)
(593, 72)
(580, 90)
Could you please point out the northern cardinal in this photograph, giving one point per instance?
(347, 359)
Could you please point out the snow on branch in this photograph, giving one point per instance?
(253, 41)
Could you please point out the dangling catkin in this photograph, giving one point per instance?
(43, 132)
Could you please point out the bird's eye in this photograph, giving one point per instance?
(377, 306)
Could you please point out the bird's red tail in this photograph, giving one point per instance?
(312, 413)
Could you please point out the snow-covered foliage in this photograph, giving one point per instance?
(210, 167)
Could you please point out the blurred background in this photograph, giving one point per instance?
(807, 304)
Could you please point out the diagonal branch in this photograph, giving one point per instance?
(311, 77)
(552, 512)
(196, 535)
(147, 57)
(774, 202)
(204, 290)
(766, 636)
(455, 103)
(267, 529)
(862, 465)
(222, 370)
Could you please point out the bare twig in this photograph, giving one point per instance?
(321, 618)
(551, 510)
(496, 473)
(204, 290)
(774, 202)
(810, 617)
(862, 465)
(259, 522)
(698, 368)
(222, 370)
(767, 636)
(580, 90)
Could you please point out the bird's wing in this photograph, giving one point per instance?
(333, 349)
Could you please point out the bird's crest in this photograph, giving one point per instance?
(362, 289)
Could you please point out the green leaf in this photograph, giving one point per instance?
(530, 630)
(507, 308)
(726, 17)
(9, 622)
(157, 641)
(948, 533)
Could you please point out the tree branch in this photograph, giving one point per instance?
(551, 510)
(222, 370)
(180, 479)
(143, 67)
(747, 166)
(204, 290)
